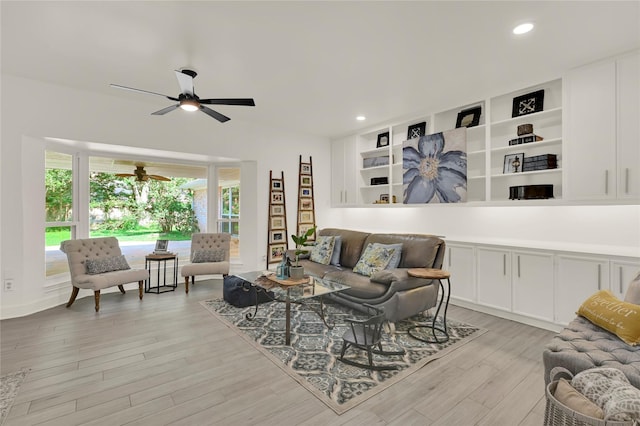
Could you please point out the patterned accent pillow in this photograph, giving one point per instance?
(609, 389)
(374, 258)
(322, 250)
(607, 311)
(205, 256)
(395, 260)
(106, 264)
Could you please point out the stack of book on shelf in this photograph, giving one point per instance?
(540, 162)
(525, 135)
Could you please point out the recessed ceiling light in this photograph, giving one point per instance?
(523, 28)
(361, 118)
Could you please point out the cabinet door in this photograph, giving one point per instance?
(577, 278)
(533, 284)
(628, 82)
(622, 273)
(460, 263)
(590, 132)
(494, 278)
(343, 181)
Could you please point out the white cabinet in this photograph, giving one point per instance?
(622, 273)
(343, 192)
(628, 130)
(602, 130)
(533, 284)
(460, 262)
(577, 278)
(493, 268)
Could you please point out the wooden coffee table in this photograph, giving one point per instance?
(434, 274)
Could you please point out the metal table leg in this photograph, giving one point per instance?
(433, 326)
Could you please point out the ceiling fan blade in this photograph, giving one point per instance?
(234, 101)
(117, 86)
(124, 174)
(158, 177)
(215, 114)
(166, 110)
(186, 83)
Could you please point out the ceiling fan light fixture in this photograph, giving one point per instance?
(189, 105)
(523, 28)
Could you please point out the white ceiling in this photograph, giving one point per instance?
(311, 66)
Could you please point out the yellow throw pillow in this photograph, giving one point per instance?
(568, 396)
(606, 311)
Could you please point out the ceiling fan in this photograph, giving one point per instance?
(141, 175)
(189, 101)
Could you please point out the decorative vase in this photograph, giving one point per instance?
(296, 272)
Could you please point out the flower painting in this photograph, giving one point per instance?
(435, 168)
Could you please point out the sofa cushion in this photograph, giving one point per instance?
(374, 258)
(360, 286)
(570, 397)
(101, 265)
(633, 292)
(352, 244)
(208, 255)
(322, 250)
(614, 315)
(316, 269)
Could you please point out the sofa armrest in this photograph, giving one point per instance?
(399, 280)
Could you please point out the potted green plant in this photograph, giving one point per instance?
(296, 272)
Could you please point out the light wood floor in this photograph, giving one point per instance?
(166, 360)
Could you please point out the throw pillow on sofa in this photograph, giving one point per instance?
(322, 250)
(620, 318)
(337, 250)
(106, 264)
(374, 258)
(633, 292)
(395, 260)
(205, 256)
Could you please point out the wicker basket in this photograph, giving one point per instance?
(558, 414)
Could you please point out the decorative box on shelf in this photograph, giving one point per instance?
(540, 162)
(382, 160)
(530, 192)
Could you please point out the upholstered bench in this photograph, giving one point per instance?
(583, 345)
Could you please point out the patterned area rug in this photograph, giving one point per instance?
(312, 358)
(9, 386)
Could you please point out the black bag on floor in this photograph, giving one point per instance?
(240, 293)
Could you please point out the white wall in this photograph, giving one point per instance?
(33, 110)
(610, 230)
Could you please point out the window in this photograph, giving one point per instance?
(60, 210)
(229, 206)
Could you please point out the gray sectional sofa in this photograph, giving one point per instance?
(400, 295)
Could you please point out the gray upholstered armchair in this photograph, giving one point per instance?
(97, 263)
(209, 256)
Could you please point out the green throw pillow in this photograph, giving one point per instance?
(323, 250)
(374, 258)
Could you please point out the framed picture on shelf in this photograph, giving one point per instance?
(277, 222)
(306, 217)
(305, 168)
(384, 198)
(469, 117)
(276, 252)
(276, 237)
(305, 180)
(513, 163)
(416, 130)
(305, 192)
(277, 198)
(276, 184)
(528, 103)
(383, 140)
(277, 210)
(306, 204)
